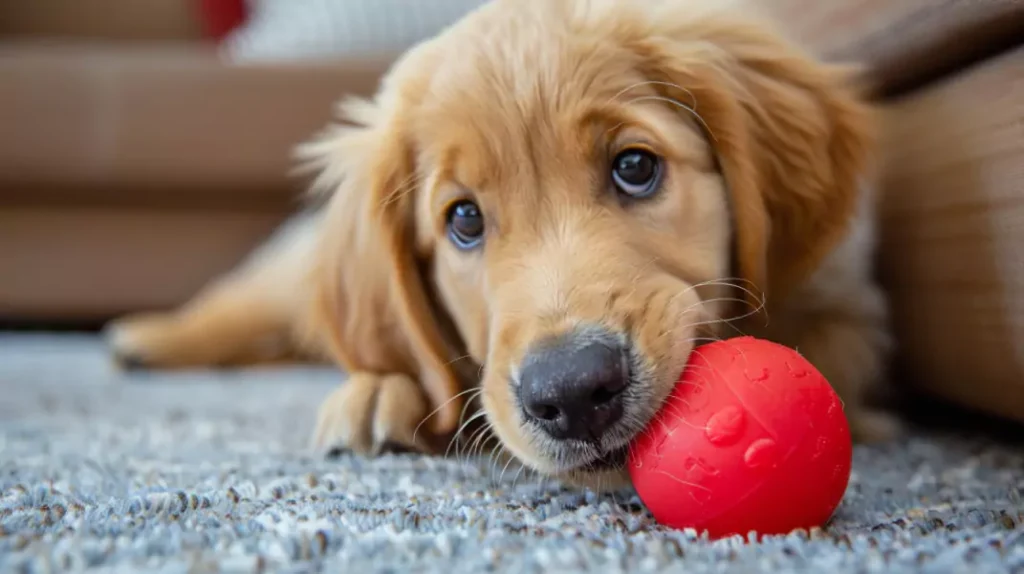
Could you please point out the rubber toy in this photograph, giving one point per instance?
(752, 439)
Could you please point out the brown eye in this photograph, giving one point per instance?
(636, 173)
(465, 224)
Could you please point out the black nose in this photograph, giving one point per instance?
(572, 387)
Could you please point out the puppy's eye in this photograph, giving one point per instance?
(465, 224)
(636, 172)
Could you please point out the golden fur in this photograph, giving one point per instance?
(763, 225)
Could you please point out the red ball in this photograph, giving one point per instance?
(751, 439)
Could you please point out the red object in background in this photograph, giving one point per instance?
(752, 438)
(220, 17)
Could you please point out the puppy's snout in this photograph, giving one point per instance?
(572, 388)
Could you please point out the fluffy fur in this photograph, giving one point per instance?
(763, 225)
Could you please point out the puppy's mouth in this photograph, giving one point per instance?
(609, 455)
(588, 460)
(612, 460)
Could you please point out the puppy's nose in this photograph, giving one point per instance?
(573, 389)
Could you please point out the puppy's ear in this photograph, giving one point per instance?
(791, 135)
(370, 301)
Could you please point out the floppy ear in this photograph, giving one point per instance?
(791, 135)
(370, 301)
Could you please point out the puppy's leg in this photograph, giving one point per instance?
(243, 318)
(371, 413)
(231, 323)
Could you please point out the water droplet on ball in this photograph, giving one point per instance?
(725, 426)
(762, 453)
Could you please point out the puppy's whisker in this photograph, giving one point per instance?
(761, 299)
(630, 88)
(727, 282)
(680, 417)
(416, 431)
(478, 443)
(656, 83)
(462, 427)
(496, 452)
(681, 481)
(689, 109)
(725, 320)
(694, 340)
(470, 451)
(457, 359)
(405, 187)
(493, 461)
(731, 283)
(465, 449)
(515, 479)
(465, 407)
(503, 470)
(754, 310)
(703, 303)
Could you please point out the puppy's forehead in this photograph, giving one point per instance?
(520, 100)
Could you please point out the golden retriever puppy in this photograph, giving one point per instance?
(547, 208)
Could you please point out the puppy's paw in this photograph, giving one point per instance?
(371, 414)
(141, 341)
(871, 426)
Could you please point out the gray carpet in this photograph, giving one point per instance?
(205, 472)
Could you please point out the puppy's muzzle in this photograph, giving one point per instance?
(571, 386)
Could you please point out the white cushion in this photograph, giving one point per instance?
(313, 29)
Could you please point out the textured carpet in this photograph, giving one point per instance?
(207, 471)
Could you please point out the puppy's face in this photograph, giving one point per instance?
(580, 257)
(579, 231)
(571, 187)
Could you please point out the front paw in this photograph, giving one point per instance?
(141, 341)
(372, 414)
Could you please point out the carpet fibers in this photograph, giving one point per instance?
(208, 472)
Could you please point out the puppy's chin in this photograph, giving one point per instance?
(598, 480)
(603, 473)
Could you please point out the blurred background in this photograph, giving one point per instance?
(145, 148)
(146, 144)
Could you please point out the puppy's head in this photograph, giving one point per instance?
(575, 194)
